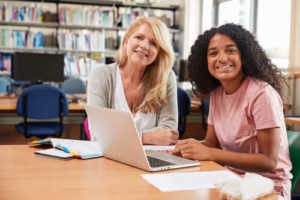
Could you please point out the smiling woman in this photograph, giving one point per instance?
(246, 129)
(141, 82)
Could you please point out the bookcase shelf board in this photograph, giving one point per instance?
(31, 24)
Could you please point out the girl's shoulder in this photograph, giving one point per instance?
(258, 88)
(256, 85)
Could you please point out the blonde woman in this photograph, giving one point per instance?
(141, 82)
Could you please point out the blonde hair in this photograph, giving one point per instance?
(156, 74)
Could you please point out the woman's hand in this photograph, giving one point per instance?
(193, 149)
(161, 137)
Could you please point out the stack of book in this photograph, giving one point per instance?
(14, 38)
(81, 65)
(81, 41)
(86, 15)
(27, 12)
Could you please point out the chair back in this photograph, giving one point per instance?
(294, 147)
(42, 102)
(184, 108)
(7, 78)
(4, 83)
(73, 86)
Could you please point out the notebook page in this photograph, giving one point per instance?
(82, 147)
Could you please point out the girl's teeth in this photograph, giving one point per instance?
(224, 67)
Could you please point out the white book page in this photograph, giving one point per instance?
(81, 147)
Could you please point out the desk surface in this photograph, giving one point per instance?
(9, 103)
(292, 120)
(24, 175)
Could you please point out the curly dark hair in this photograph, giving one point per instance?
(255, 61)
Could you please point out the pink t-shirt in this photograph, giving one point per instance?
(237, 117)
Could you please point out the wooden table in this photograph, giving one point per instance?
(24, 175)
(292, 120)
(8, 105)
(196, 104)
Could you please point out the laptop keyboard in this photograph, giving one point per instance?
(155, 162)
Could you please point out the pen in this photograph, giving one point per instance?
(37, 141)
(65, 149)
(71, 152)
(75, 154)
(78, 156)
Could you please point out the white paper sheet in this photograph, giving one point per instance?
(189, 180)
(159, 148)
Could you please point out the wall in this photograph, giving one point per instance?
(192, 25)
(294, 60)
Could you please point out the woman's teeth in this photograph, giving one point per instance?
(224, 67)
(146, 55)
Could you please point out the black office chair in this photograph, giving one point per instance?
(42, 104)
(184, 108)
(205, 111)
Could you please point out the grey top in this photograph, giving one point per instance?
(101, 90)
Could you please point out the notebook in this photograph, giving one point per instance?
(78, 148)
(119, 140)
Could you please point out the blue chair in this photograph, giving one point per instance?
(41, 103)
(4, 84)
(184, 108)
(7, 78)
(73, 86)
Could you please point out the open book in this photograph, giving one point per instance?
(77, 148)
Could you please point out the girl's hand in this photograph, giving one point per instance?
(192, 149)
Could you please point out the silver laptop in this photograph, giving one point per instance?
(120, 141)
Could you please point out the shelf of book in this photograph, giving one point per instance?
(91, 30)
(119, 4)
(69, 26)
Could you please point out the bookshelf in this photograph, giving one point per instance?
(86, 31)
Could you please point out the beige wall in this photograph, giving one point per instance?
(294, 60)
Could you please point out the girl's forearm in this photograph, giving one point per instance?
(247, 161)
